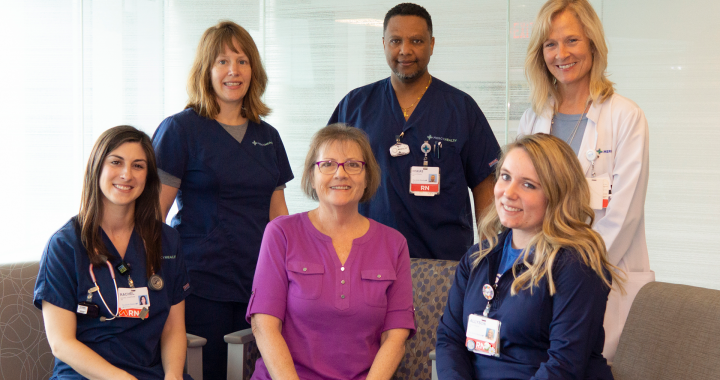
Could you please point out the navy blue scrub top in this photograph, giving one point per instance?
(130, 344)
(541, 337)
(438, 227)
(224, 198)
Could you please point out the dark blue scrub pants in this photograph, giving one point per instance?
(213, 320)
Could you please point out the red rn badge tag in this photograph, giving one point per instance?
(134, 302)
(425, 181)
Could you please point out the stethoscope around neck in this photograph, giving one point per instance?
(155, 283)
(117, 297)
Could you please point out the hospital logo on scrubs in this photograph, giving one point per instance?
(600, 151)
(430, 137)
(262, 144)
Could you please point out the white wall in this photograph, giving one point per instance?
(76, 68)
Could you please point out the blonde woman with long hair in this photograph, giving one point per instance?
(573, 99)
(528, 303)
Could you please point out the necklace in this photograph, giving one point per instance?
(406, 109)
(572, 136)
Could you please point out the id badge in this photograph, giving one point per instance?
(599, 191)
(425, 181)
(399, 149)
(483, 335)
(134, 302)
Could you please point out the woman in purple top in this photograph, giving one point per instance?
(332, 294)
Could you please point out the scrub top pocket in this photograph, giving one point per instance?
(305, 279)
(375, 283)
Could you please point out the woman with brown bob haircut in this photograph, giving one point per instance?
(116, 246)
(573, 99)
(227, 170)
(332, 295)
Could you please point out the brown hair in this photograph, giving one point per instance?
(148, 219)
(542, 82)
(341, 132)
(568, 216)
(201, 96)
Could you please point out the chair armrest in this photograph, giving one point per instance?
(193, 359)
(434, 365)
(195, 341)
(237, 353)
(240, 337)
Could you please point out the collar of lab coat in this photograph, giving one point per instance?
(590, 137)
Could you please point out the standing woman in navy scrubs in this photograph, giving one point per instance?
(116, 245)
(227, 169)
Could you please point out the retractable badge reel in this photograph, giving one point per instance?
(599, 186)
(425, 180)
(399, 149)
(483, 333)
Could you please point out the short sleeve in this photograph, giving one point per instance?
(174, 261)
(286, 174)
(57, 278)
(338, 115)
(171, 149)
(400, 312)
(480, 153)
(270, 284)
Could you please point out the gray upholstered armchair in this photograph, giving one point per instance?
(431, 283)
(26, 353)
(672, 332)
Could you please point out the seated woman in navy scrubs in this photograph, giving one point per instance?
(529, 303)
(96, 269)
(227, 169)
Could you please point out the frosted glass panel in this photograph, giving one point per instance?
(41, 128)
(667, 62)
(85, 66)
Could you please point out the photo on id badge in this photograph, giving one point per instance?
(133, 302)
(482, 335)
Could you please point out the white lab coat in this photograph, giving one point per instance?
(617, 127)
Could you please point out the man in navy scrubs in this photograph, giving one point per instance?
(420, 126)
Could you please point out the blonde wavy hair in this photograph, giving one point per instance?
(568, 217)
(201, 96)
(542, 82)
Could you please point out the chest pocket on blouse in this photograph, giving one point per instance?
(305, 279)
(375, 283)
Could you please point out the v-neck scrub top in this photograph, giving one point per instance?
(130, 344)
(441, 226)
(333, 314)
(223, 199)
(542, 336)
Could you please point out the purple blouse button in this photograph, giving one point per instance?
(342, 296)
(342, 282)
